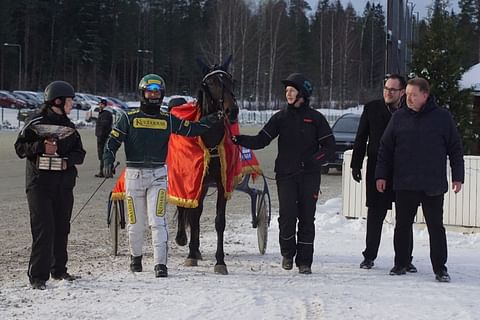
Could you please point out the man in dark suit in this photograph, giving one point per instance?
(375, 117)
(413, 153)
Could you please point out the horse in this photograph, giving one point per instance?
(215, 94)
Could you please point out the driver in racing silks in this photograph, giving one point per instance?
(146, 132)
(53, 148)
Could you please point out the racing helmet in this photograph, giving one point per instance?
(151, 82)
(299, 82)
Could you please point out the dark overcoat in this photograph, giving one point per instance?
(374, 120)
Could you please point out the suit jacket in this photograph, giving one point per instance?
(374, 120)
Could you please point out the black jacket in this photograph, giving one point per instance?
(415, 147)
(30, 145)
(375, 117)
(103, 125)
(305, 140)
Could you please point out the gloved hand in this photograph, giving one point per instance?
(108, 170)
(214, 117)
(357, 174)
(237, 139)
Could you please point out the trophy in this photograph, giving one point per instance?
(54, 133)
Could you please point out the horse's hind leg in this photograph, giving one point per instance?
(181, 238)
(220, 266)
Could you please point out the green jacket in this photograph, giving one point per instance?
(146, 136)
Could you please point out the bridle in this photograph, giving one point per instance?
(218, 103)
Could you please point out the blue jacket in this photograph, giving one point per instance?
(415, 146)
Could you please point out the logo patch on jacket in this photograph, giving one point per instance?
(307, 120)
(149, 123)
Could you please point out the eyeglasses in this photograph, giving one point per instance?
(153, 87)
(391, 90)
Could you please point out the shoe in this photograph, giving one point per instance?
(366, 264)
(38, 284)
(161, 271)
(64, 276)
(442, 276)
(99, 175)
(136, 264)
(411, 268)
(287, 263)
(304, 269)
(398, 271)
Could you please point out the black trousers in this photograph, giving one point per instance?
(297, 196)
(375, 218)
(406, 203)
(50, 213)
(100, 147)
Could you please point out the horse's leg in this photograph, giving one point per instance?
(181, 238)
(220, 266)
(193, 216)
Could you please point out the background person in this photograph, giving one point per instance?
(375, 117)
(414, 148)
(305, 142)
(50, 191)
(103, 126)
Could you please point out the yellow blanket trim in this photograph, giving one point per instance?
(251, 169)
(184, 203)
(116, 196)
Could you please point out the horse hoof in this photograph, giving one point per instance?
(220, 269)
(189, 262)
(198, 255)
(181, 240)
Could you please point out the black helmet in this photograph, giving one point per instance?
(103, 101)
(299, 82)
(58, 89)
(151, 82)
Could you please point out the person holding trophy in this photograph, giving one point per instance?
(52, 147)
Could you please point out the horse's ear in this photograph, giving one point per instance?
(226, 63)
(205, 68)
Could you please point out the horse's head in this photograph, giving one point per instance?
(217, 90)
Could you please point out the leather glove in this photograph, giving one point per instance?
(50, 146)
(213, 118)
(108, 170)
(356, 174)
(237, 140)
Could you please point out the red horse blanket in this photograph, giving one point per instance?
(188, 160)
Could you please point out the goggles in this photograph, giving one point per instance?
(153, 87)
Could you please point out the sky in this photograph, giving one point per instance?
(420, 5)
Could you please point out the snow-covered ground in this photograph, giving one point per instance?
(258, 288)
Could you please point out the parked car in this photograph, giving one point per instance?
(31, 100)
(119, 103)
(344, 131)
(7, 100)
(92, 114)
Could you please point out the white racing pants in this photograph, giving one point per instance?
(146, 191)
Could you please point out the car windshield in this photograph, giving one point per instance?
(346, 124)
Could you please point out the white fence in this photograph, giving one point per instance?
(461, 209)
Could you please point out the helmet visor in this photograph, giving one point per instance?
(153, 87)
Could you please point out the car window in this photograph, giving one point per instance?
(346, 124)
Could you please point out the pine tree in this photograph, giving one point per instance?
(437, 57)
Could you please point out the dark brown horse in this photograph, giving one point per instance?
(216, 94)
